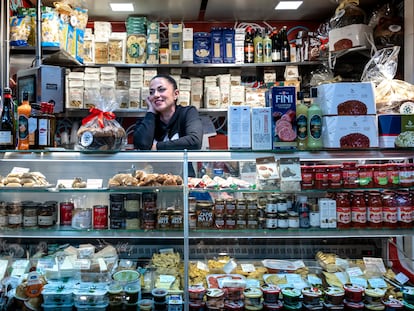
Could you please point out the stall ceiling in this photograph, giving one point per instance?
(213, 10)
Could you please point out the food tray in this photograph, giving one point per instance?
(216, 280)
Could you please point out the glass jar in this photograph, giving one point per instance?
(163, 220)
(271, 220)
(14, 215)
(230, 206)
(293, 220)
(365, 175)
(241, 222)
(334, 176)
(389, 210)
(349, 175)
(241, 207)
(271, 204)
(219, 207)
(3, 215)
(283, 220)
(380, 175)
(204, 210)
(404, 209)
(358, 210)
(374, 210)
(343, 210)
(230, 222)
(252, 221)
(405, 175)
(177, 220)
(282, 204)
(132, 202)
(45, 216)
(29, 214)
(219, 222)
(321, 177)
(393, 174)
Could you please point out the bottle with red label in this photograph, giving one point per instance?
(350, 175)
(374, 210)
(358, 210)
(389, 210)
(343, 210)
(404, 209)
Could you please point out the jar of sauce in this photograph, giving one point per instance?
(271, 204)
(358, 210)
(380, 175)
(365, 175)
(321, 177)
(271, 220)
(404, 209)
(374, 210)
(177, 220)
(230, 206)
(230, 222)
(389, 210)
(3, 215)
(219, 222)
(283, 220)
(393, 174)
(405, 175)
(307, 173)
(219, 207)
(241, 222)
(334, 176)
(163, 220)
(343, 210)
(29, 214)
(252, 221)
(349, 175)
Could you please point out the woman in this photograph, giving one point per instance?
(166, 125)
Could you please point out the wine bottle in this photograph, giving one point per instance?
(7, 126)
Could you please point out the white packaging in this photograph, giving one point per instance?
(117, 48)
(148, 75)
(237, 95)
(136, 84)
(134, 98)
(255, 97)
(213, 97)
(136, 71)
(350, 132)
(235, 79)
(262, 128)
(332, 213)
(144, 96)
(184, 98)
(76, 75)
(324, 212)
(187, 44)
(338, 98)
(196, 92)
(239, 127)
(224, 84)
(185, 84)
(349, 37)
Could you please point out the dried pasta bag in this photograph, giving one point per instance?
(19, 30)
(99, 130)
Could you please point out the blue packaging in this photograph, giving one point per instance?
(201, 49)
(216, 45)
(283, 102)
(228, 46)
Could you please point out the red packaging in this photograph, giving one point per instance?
(66, 209)
(100, 216)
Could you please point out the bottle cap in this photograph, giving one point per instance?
(300, 96)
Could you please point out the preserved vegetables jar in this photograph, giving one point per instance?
(177, 220)
(219, 222)
(230, 222)
(204, 210)
(29, 214)
(349, 175)
(219, 207)
(230, 206)
(163, 220)
(374, 210)
(3, 215)
(389, 210)
(404, 209)
(358, 210)
(14, 215)
(343, 210)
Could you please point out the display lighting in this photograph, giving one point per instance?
(122, 7)
(288, 5)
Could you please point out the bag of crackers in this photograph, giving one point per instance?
(100, 130)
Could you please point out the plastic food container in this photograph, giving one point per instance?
(311, 295)
(334, 295)
(145, 304)
(392, 304)
(291, 296)
(276, 306)
(408, 294)
(98, 307)
(374, 294)
(126, 276)
(90, 296)
(253, 296)
(353, 306)
(353, 293)
(270, 293)
(57, 295)
(52, 307)
(159, 294)
(196, 292)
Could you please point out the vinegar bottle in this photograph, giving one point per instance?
(23, 113)
(314, 123)
(258, 47)
(301, 122)
(267, 49)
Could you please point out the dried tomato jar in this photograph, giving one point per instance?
(230, 206)
(358, 210)
(349, 175)
(343, 210)
(389, 210)
(307, 176)
(219, 207)
(230, 222)
(204, 210)
(374, 210)
(404, 209)
(365, 175)
(334, 176)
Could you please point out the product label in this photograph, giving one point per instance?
(43, 132)
(23, 127)
(389, 215)
(343, 215)
(315, 126)
(29, 221)
(301, 126)
(404, 214)
(5, 138)
(45, 221)
(374, 214)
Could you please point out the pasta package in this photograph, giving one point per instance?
(19, 30)
(50, 29)
(136, 47)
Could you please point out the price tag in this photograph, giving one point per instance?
(377, 283)
(93, 183)
(359, 281)
(19, 170)
(314, 280)
(342, 277)
(374, 264)
(202, 266)
(402, 278)
(355, 271)
(65, 183)
(82, 264)
(248, 267)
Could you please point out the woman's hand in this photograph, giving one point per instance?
(150, 106)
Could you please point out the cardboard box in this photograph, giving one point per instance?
(345, 98)
(282, 99)
(392, 125)
(175, 40)
(262, 129)
(239, 127)
(349, 132)
(349, 37)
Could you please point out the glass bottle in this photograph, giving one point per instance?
(258, 47)
(285, 48)
(248, 46)
(23, 112)
(358, 210)
(276, 47)
(7, 126)
(267, 49)
(314, 123)
(301, 122)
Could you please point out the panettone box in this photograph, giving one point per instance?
(349, 132)
(347, 98)
(351, 36)
(395, 130)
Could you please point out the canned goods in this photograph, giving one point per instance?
(66, 209)
(100, 216)
(117, 223)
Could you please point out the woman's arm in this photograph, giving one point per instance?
(144, 132)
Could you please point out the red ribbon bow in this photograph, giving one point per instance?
(93, 112)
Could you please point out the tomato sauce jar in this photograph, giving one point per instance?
(349, 175)
(365, 175)
(334, 176)
(374, 210)
(321, 177)
(343, 210)
(380, 175)
(404, 209)
(358, 210)
(393, 174)
(389, 210)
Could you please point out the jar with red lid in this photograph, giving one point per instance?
(389, 210)
(374, 210)
(404, 209)
(349, 175)
(365, 175)
(321, 177)
(334, 176)
(358, 210)
(307, 176)
(393, 174)
(343, 210)
(353, 293)
(380, 175)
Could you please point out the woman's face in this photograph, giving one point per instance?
(162, 95)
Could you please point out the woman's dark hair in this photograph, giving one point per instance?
(168, 78)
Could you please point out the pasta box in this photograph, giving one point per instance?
(282, 99)
(349, 132)
(347, 98)
(390, 127)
